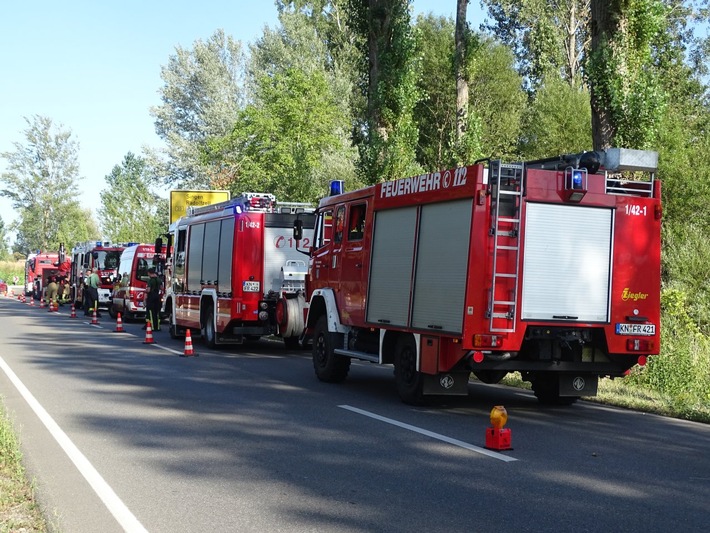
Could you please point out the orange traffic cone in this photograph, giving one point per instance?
(119, 324)
(41, 303)
(73, 311)
(188, 345)
(32, 301)
(148, 334)
(94, 318)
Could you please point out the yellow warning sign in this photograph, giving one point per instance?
(181, 200)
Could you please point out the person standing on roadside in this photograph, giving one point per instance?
(52, 290)
(92, 288)
(152, 306)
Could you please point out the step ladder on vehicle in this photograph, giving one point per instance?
(507, 188)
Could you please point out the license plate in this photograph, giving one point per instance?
(635, 329)
(250, 286)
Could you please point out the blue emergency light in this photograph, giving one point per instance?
(577, 179)
(337, 187)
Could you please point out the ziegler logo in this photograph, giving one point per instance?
(635, 296)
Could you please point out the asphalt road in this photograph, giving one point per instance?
(122, 435)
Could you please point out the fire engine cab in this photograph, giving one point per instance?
(550, 268)
(104, 257)
(235, 272)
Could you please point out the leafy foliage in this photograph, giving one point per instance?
(297, 121)
(620, 70)
(558, 121)
(387, 134)
(130, 211)
(42, 184)
(202, 96)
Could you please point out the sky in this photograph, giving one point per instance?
(94, 68)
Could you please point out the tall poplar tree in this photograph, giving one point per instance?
(42, 184)
(386, 134)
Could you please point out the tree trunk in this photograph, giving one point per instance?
(605, 16)
(460, 65)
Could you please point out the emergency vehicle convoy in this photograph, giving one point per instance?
(235, 272)
(102, 256)
(128, 296)
(550, 268)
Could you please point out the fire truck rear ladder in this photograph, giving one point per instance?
(506, 181)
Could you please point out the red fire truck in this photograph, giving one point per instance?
(102, 256)
(550, 268)
(39, 268)
(128, 296)
(235, 272)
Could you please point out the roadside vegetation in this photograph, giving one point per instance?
(19, 511)
(306, 101)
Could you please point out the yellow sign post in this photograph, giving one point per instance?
(181, 200)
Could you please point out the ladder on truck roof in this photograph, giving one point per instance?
(506, 182)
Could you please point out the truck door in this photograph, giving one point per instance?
(321, 268)
(353, 270)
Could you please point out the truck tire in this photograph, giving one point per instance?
(410, 384)
(113, 312)
(547, 391)
(329, 366)
(209, 335)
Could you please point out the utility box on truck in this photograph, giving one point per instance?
(550, 268)
(235, 272)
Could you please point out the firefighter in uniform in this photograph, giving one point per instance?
(152, 306)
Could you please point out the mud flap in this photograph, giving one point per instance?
(578, 384)
(446, 384)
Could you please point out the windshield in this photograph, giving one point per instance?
(108, 260)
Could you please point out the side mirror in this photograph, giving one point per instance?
(298, 229)
(158, 245)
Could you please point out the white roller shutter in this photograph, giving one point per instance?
(391, 266)
(567, 263)
(442, 260)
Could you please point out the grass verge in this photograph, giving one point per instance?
(618, 393)
(19, 511)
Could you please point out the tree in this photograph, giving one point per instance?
(496, 101)
(547, 36)
(4, 248)
(626, 94)
(130, 211)
(558, 121)
(42, 184)
(461, 35)
(386, 134)
(293, 136)
(202, 97)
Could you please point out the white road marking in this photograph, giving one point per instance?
(114, 504)
(438, 436)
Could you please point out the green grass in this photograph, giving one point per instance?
(621, 393)
(18, 508)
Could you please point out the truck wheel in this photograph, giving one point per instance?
(172, 328)
(208, 331)
(408, 378)
(547, 391)
(113, 312)
(329, 367)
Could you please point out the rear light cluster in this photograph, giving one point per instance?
(487, 340)
(263, 311)
(639, 345)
